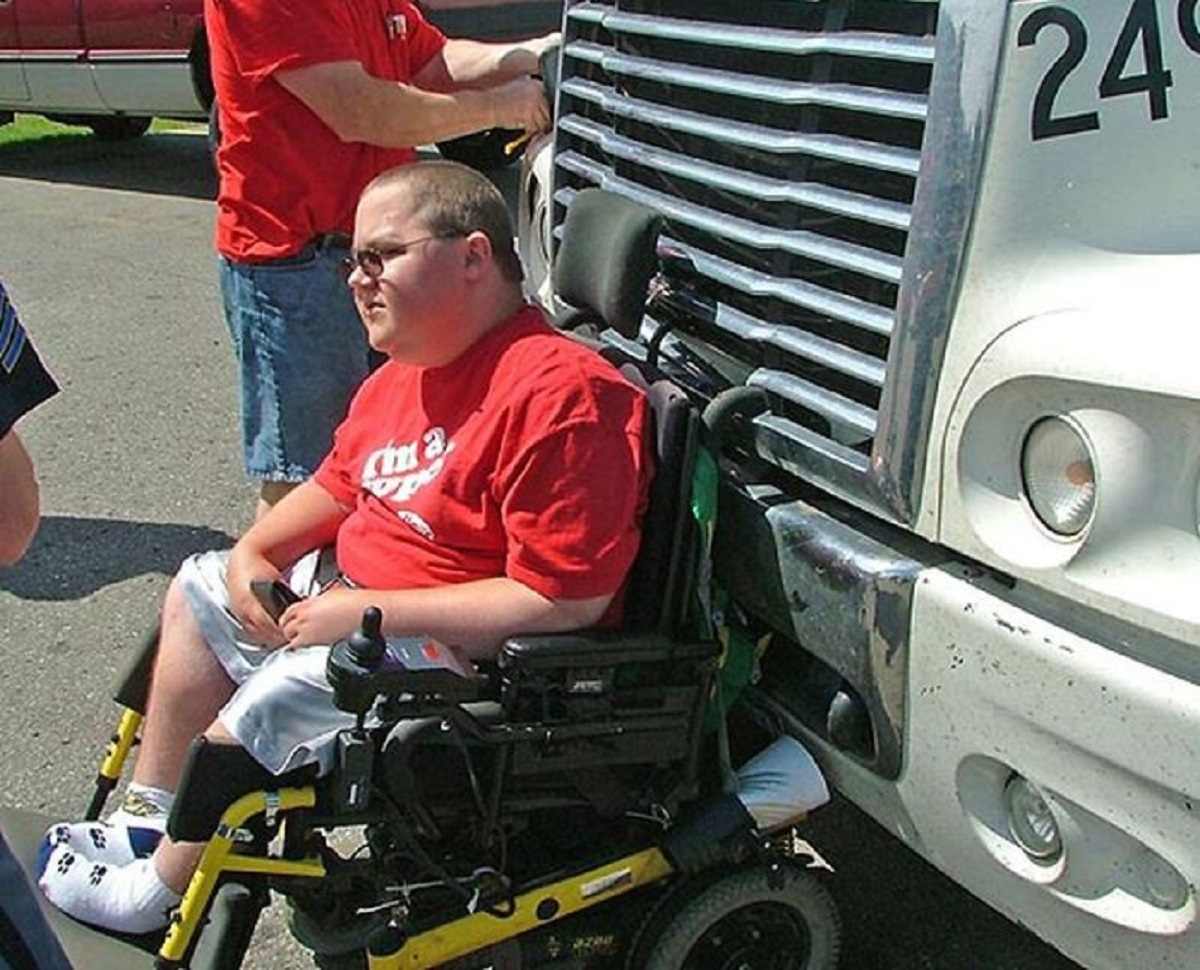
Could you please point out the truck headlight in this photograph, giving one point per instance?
(1059, 476)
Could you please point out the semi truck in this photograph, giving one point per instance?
(944, 253)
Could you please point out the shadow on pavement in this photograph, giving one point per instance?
(74, 557)
(176, 163)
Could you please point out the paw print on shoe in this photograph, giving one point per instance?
(65, 861)
(97, 874)
(61, 835)
(97, 836)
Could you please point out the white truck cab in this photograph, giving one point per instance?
(953, 245)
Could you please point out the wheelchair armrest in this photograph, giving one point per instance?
(595, 700)
(598, 648)
(404, 675)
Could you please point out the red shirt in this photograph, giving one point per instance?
(527, 457)
(285, 177)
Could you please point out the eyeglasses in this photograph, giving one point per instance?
(372, 261)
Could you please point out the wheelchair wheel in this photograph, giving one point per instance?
(232, 918)
(740, 920)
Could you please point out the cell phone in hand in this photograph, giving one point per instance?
(274, 595)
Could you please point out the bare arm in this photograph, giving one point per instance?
(306, 518)
(361, 108)
(474, 617)
(19, 500)
(472, 64)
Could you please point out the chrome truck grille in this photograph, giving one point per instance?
(781, 139)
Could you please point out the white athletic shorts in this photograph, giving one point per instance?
(282, 711)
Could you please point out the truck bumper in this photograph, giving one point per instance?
(1112, 745)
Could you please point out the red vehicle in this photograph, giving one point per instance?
(114, 64)
(109, 64)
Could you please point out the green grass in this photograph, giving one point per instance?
(34, 128)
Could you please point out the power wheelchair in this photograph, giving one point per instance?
(565, 806)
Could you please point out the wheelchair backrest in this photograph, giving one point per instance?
(659, 591)
(605, 262)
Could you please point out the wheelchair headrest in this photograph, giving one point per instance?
(607, 258)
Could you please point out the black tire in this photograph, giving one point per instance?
(214, 130)
(483, 151)
(118, 127)
(660, 910)
(739, 920)
(356, 960)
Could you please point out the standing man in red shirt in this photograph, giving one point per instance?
(489, 479)
(315, 100)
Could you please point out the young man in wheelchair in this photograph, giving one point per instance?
(488, 480)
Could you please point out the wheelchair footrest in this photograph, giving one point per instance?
(54, 939)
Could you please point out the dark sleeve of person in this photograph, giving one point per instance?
(24, 382)
(26, 942)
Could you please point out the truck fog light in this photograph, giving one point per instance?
(1030, 821)
(1059, 476)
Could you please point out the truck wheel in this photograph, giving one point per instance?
(739, 920)
(483, 151)
(118, 127)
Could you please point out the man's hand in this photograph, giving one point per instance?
(243, 568)
(306, 518)
(522, 104)
(325, 619)
(546, 42)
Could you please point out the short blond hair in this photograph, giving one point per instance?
(452, 199)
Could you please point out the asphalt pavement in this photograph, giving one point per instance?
(106, 249)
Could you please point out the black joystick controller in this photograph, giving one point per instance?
(366, 645)
(352, 662)
(351, 670)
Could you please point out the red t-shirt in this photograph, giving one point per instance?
(527, 457)
(285, 176)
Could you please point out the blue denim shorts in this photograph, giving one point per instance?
(302, 352)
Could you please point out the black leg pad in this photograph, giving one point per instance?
(215, 776)
(134, 686)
